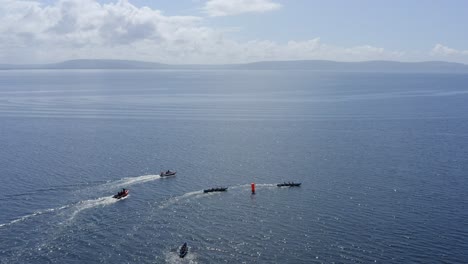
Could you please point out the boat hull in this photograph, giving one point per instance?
(288, 184)
(183, 251)
(120, 195)
(164, 174)
(215, 190)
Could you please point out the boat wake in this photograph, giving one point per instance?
(199, 194)
(37, 213)
(114, 185)
(78, 207)
(173, 257)
(184, 197)
(128, 181)
(88, 204)
(73, 208)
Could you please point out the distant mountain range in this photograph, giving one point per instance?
(312, 65)
(88, 64)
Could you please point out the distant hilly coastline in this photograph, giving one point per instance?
(312, 65)
(88, 64)
(365, 66)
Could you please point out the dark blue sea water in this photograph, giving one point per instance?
(383, 161)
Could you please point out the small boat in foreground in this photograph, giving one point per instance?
(121, 194)
(167, 173)
(220, 189)
(288, 184)
(183, 250)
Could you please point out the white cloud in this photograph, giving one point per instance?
(235, 7)
(79, 29)
(441, 50)
(303, 50)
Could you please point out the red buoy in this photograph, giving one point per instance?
(253, 187)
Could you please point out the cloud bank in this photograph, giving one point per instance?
(441, 50)
(31, 32)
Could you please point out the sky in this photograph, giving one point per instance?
(233, 31)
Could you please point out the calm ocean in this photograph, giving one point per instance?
(383, 161)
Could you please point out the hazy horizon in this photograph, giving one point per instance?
(231, 31)
(216, 64)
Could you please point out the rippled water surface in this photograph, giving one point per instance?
(383, 161)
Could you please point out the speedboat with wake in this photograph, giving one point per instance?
(183, 250)
(288, 184)
(121, 194)
(167, 173)
(219, 189)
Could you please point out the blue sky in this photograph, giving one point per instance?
(399, 24)
(232, 31)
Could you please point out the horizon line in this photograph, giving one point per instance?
(227, 64)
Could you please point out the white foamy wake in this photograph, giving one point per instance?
(173, 257)
(37, 213)
(199, 194)
(103, 201)
(125, 182)
(83, 205)
(180, 198)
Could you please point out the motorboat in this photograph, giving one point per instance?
(219, 189)
(183, 250)
(167, 173)
(121, 194)
(288, 184)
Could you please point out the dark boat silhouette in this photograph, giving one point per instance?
(288, 184)
(121, 194)
(167, 173)
(219, 189)
(183, 250)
